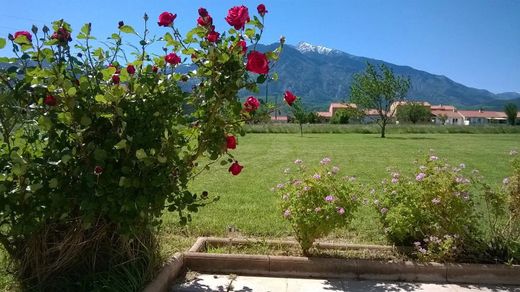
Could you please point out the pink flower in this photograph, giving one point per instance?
(316, 176)
(433, 158)
(505, 181)
(383, 210)
(436, 201)
(420, 176)
(335, 170)
(287, 213)
(340, 210)
(395, 180)
(317, 209)
(298, 161)
(325, 160)
(238, 16)
(329, 198)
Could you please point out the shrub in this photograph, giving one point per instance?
(432, 210)
(94, 147)
(317, 201)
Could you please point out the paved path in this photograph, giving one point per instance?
(225, 283)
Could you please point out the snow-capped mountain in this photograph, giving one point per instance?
(305, 47)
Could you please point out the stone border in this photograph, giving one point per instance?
(169, 272)
(196, 259)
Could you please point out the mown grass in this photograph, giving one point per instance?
(248, 207)
(375, 129)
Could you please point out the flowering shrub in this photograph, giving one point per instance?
(316, 201)
(96, 145)
(433, 209)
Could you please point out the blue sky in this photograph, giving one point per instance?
(474, 42)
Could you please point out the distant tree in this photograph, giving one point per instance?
(300, 114)
(511, 111)
(313, 117)
(413, 112)
(379, 89)
(345, 116)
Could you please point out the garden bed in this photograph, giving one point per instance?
(362, 262)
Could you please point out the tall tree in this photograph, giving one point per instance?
(511, 111)
(413, 112)
(379, 89)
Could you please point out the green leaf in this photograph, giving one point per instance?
(121, 144)
(275, 76)
(101, 98)
(161, 159)
(250, 33)
(71, 91)
(127, 29)
(86, 28)
(53, 183)
(85, 121)
(261, 79)
(66, 158)
(2, 43)
(45, 123)
(140, 154)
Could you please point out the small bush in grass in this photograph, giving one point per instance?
(316, 201)
(432, 209)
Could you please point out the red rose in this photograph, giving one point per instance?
(231, 142)
(155, 69)
(243, 44)
(238, 16)
(203, 12)
(251, 104)
(235, 168)
(115, 79)
(213, 36)
(205, 20)
(261, 10)
(257, 63)
(289, 97)
(166, 19)
(50, 100)
(98, 170)
(24, 33)
(130, 69)
(62, 35)
(172, 59)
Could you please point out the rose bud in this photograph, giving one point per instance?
(231, 142)
(251, 104)
(261, 10)
(98, 170)
(213, 36)
(50, 100)
(121, 24)
(115, 79)
(130, 69)
(289, 97)
(235, 168)
(203, 12)
(23, 33)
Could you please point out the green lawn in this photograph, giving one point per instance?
(248, 204)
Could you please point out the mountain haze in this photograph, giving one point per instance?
(321, 75)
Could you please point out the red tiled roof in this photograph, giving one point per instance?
(483, 114)
(447, 113)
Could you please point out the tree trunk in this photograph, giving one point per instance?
(383, 127)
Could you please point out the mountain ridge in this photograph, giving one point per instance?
(321, 75)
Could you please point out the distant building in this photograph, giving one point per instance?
(279, 119)
(446, 115)
(333, 108)
(482, 117)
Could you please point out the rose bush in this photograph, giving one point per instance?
(317, 201)
(95, 147)
(432, 210)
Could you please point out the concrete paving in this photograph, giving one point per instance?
(226, 283)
